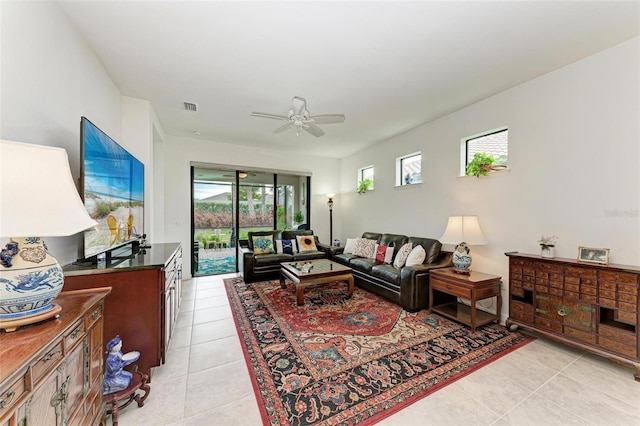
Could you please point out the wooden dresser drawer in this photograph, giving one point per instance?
(619, 347)
(451, 288)
(11, 395)
(75, 336)
(94, 316)
(619, 277)
(46, 362)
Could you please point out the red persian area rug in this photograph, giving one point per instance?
(350, 360)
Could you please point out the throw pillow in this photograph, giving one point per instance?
(402, 255)
(306, 243)
(384, 253)
(350, 245)
(263, 244)
(416, 257)
(365, 248)
(286, 246)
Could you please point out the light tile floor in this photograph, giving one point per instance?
(205, 381)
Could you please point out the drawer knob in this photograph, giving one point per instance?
(95, 314)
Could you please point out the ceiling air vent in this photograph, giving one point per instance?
(190, 106)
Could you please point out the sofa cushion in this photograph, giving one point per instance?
(306, 243)
(263, 244)
(270, 259)
(403, 253)
(362, 264)
(387, 272)
(350, 245)
(384, 254)
(416, 257)
(395, 240)
(365, 248)
(286, 246)
(345, 258)
(276, 235)
(431, 247)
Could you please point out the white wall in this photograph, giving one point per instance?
(180, 152)
(574, 153)
(49, 78)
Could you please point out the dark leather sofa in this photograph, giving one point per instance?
(407, 286)
(259, 267)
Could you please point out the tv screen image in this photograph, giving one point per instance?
(112, 190)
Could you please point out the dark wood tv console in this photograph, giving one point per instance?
(143, 305)
(592, 307)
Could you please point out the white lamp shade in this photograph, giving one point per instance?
(37, 195)
(463, 228)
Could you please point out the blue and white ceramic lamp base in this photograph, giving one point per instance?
(30, 279)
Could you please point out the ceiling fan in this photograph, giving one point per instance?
(299, 118)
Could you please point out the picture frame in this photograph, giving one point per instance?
(596, 255)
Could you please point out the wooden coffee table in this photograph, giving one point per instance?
(311, 272)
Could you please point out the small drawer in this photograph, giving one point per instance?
(619, 277)
(528, 279)
(626, 288)
(619, 347)
(549, 325)
(607, 303)
(582, 272)
(628, 317)
(572, 295)
(75, 336)
(92, 317)
(572, 287)
(628, 307)
(584, 289)
(47, 362)
(542, 280)
(521, 316)
(517, 290)
(529, 272)
(549, 267)
(607, 294)
(451, 289)
(527, 286)
(607, 285)
(555, 291)
(615, 333)
(589, 298)
(571, 280)
(627, 298)
(580, 335)
(10, 396)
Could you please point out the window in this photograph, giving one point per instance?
(495, 143)
(366, 173)
(409, 169)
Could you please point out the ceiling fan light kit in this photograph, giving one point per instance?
(299, 118)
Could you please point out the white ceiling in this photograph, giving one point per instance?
(389, 66)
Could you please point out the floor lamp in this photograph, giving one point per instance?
(330, 204)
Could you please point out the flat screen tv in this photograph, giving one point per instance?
(112, 187)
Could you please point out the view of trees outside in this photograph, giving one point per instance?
(213, 216)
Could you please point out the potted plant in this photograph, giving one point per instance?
(547, 245)
(364, 185)
(298, 217)
(480, 165)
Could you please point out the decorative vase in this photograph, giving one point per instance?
(461, 259)
(547, 251)
(30, 278)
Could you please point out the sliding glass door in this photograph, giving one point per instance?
(228, 204)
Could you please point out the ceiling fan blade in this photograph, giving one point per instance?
(299, 105)
(265, 115)
(283, 128)
(328, 118)
(313, 129)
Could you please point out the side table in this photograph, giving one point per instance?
(475, 286)
(128, 395)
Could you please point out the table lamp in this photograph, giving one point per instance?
(38, 198)
(463, 231)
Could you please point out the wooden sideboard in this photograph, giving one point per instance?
(144, 302)
(593, 307)
(51, 372)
